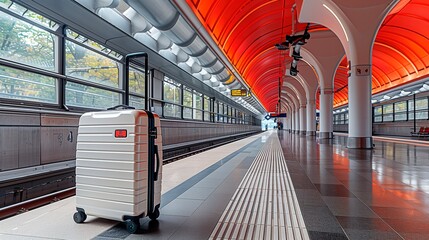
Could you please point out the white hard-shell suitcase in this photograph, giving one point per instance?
(119, 166)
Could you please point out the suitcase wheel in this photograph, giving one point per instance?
(132, 226)
(79, 217)
(155, 214)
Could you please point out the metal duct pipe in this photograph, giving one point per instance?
(146, 40)
(215, 84)
(177, 30)
(223, 76)
(196, 68)
(160, 14)
(181, 33)
(138, 22)
(96, 5)
(112, 16)
(181, 56)
(162, 41)
(235, 85)
(195, 48)
(206, 77)
(217, 67)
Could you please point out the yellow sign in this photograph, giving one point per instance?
(239, 92)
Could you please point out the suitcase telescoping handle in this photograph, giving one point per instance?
(155, 177)
(123, 106)
(126, 82)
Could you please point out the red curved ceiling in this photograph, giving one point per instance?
(400, 52)
(247, 30)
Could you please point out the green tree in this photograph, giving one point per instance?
(24, 43)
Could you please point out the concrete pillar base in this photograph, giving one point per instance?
(359, 142)
(359, 154)
(311, 133)
(326, 135)
(303, 132)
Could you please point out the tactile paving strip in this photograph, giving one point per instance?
(265, 204)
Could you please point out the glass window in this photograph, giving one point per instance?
(421, 115)
(187, 103)
(197, 105)
(378, 119)
(28, 14)
(172, 110)
(91, 44)
(198, 114)
(401, 111)
(400, 116)
(187, 97)
(421, 109)
(18, 84)
(410, 105)
(221, 108)
(187, 113)
(206, 116)
(172, 91)
(388, 113)
(388, 108)
(401, 106)
(198, 100)
(410, 109)
(387, 117)
(206, 103)
(89, 65)
(220, 118)
(25, 43)
(421, 104)
(378, 110)
(90, 97)
(136, 102)
(137, 80)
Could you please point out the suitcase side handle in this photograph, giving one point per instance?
(123, 106)
(155, 177)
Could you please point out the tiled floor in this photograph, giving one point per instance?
(342, 194)
(360, 194)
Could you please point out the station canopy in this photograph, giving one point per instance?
(247, 31)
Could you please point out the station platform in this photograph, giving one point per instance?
(274, 185)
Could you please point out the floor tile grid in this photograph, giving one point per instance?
(390, 232)
(257, 209)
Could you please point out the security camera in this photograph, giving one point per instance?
(282, 46)
(298, 39)
(295, 53)
(293, 71)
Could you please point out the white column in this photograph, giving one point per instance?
(288, 120)
(303, 120)
(326, 119)
(311, 117)
(360, 108)
(292, 120)
(296, 113)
